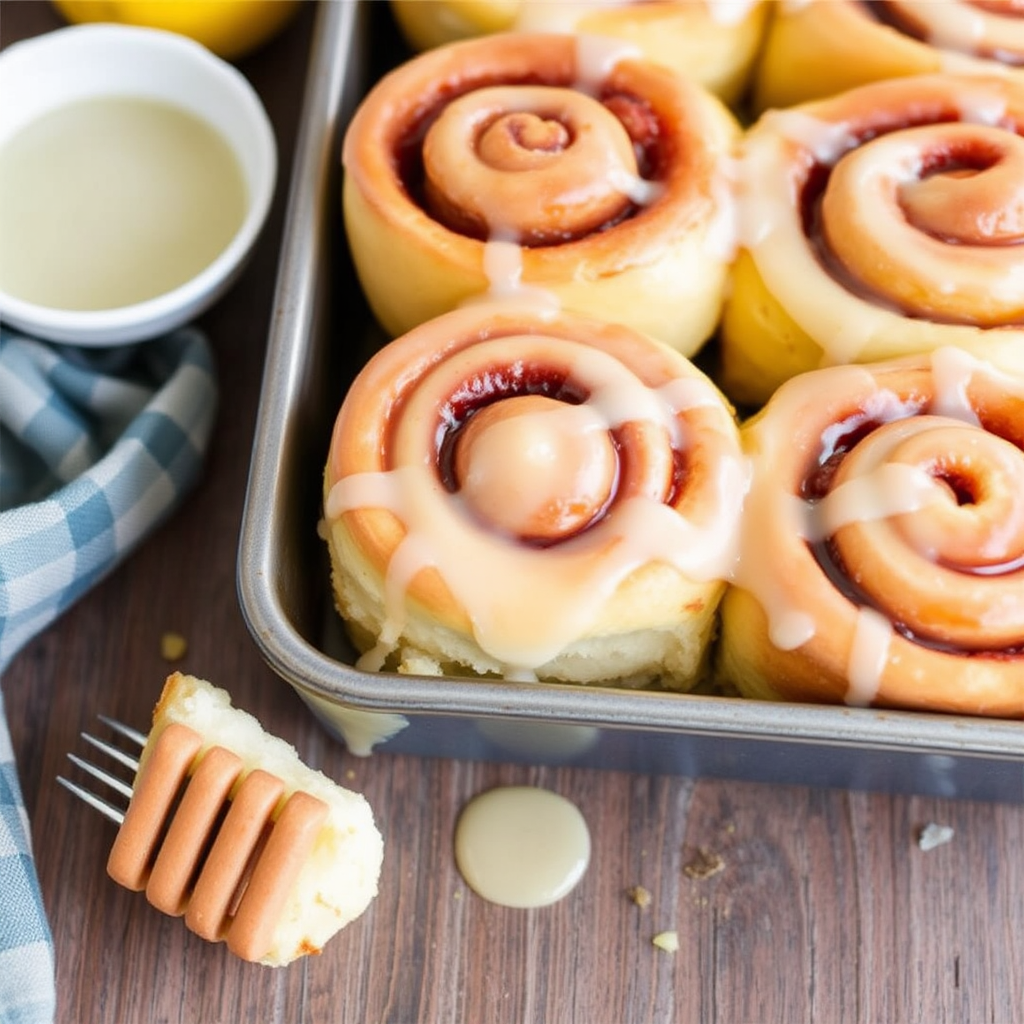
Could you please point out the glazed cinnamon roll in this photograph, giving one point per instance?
(881, 222)
(817, 48)
(714, 42)
(882, 556)
(532, 496)
(547, 168)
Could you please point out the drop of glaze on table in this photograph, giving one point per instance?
(520, 846)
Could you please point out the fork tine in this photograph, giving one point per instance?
(118, 755)
(124, 730)
(101, 805)
(119, 785)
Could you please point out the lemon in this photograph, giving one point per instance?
(230, 28)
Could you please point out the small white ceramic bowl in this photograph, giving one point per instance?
(81, 62)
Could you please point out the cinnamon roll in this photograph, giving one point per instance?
(714, 42)
(532, 496)
(547, 168)
(881, 222)
(882, 553)
(817, 48)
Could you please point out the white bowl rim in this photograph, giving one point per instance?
(144, 320)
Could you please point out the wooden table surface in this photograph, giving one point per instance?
(826, 908)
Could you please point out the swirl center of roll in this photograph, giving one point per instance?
(539, 164)
(521, 140)
(535, 468)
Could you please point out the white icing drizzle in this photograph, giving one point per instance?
(890, 489)
(869, 653)
(1009, 286)
(503, 267)
(952, 370)
(826, 141)
(789, 626)
(637, 189)
(730, 12)
(980, 106)
(596, 57)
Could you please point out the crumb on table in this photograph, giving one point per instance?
(933, 835)
(705, 864)
(668, 941)
(639, 895)
(173, 646)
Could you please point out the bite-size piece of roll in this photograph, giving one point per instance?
(882, 555)
(817, 48)
(878, 223)
(713, 42)
(533, 496)
(545, 167)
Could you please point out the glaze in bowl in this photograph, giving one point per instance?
(42, 75)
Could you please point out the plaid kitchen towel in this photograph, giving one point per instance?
(97, 446)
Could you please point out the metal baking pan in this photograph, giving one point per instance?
(321, 333)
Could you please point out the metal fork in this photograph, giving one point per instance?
(118, 785)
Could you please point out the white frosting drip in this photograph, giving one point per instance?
(638, 190)
(826, 141)
(1009, 286)
(789, 628)
(890, 489)
(980, 106)
(596, 57)
(730, 12)
(503, 266)
(869, 653)
(952, 370)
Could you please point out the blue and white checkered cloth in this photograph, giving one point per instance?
(96, 448)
